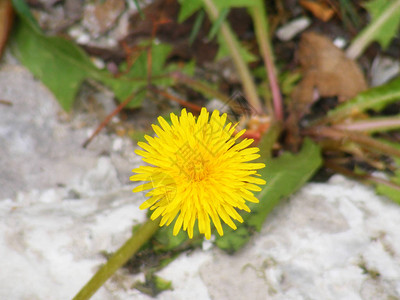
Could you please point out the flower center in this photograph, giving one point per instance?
(196, 169)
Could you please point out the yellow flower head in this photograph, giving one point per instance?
(198, 171)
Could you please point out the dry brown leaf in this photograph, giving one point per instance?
(6, 18)
(319, 9)
(326, 71)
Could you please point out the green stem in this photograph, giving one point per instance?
(142, 235)
(268, 141)
(204, 88)
(369, 33)
(261, 28)
(242, 68)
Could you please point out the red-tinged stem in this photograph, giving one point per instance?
(261, 28)
(372, 125)
(232, 44)
(355, 137)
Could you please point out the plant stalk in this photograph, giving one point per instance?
(371, 124)
(242, 68)
(356, 137)
(261, 28)
(361, 42)
(131, 246)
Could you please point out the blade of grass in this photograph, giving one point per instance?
(218, 22)
(139, 9)
(249, 86)
(196, 26)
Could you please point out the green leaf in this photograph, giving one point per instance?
(284, 175)
(379, 9)
(153, 284)
(139, 9)
(388, 191)
(167, 241)
(62, 66)
(223, 50)
(218, 22)
(188, 8)
(135, 78)
(376, 99)
(162, 284)
(383, 27)
(196, 26)
(236, 3)
(42, 56)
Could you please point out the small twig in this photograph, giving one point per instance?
(6, 102)
(365, 177)
(109, 117)
(175, 98)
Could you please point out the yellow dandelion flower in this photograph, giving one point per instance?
(198, 172)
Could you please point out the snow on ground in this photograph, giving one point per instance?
(62, 205)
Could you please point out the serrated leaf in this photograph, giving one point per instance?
(376, 99)
(284, 175)
(42, 56)
(383, 27)
(188, 8)
(390, 24)
(62, 66)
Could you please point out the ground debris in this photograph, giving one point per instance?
(326, 70)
